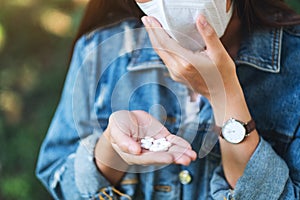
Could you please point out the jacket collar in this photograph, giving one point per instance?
(262, 50)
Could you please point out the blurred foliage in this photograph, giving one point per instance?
(35, 39)
(295, 4)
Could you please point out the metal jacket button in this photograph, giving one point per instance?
(185, 177)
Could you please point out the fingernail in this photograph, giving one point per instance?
(202, 21)
(147, 21)
(144, 20)
(191, 153)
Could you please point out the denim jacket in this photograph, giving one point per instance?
(115, 68)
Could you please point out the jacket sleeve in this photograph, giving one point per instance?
(266, 176)
(65, 165)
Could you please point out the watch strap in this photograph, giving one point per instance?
(250, 126)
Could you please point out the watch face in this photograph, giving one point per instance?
(233, 131)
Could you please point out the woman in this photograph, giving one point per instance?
(119, 90)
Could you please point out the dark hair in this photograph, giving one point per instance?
(253, 14)
(256, 14)
(100, 13)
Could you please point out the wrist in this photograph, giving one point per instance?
(230, 103)
(107, 160)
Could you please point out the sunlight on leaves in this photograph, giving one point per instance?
(56, 22)
(11, 104)
(80, 2)
(2, 37)
(21, 3)
(27, 79)
(7, 77)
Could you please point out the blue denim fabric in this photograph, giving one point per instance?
(115, 68)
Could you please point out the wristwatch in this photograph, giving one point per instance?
(235, 131)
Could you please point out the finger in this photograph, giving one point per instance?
(149, 126)
(183, 150)
(151, 158)
(154, 29)
(208, 34)
(126, 143)
(123, 130)
(178, 141)
(162, 37)
(181, 159)
(159, 158)
(173, 55)
(157, 130)
(165, 46)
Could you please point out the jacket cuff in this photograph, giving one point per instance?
(220, 189)
(265, 177)
(88, 178)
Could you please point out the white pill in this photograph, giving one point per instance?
(151, 144)
(147, 142)
(160, 140)
(147, 139)
(146, 145)
(156, 148)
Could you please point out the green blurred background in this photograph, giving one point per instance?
(35, 40)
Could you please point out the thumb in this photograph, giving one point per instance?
(208, 34)
(123, 129)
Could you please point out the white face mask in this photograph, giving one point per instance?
(178, 18)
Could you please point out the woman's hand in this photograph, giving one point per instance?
(126, 130)
(211, 72)
(123, 135)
